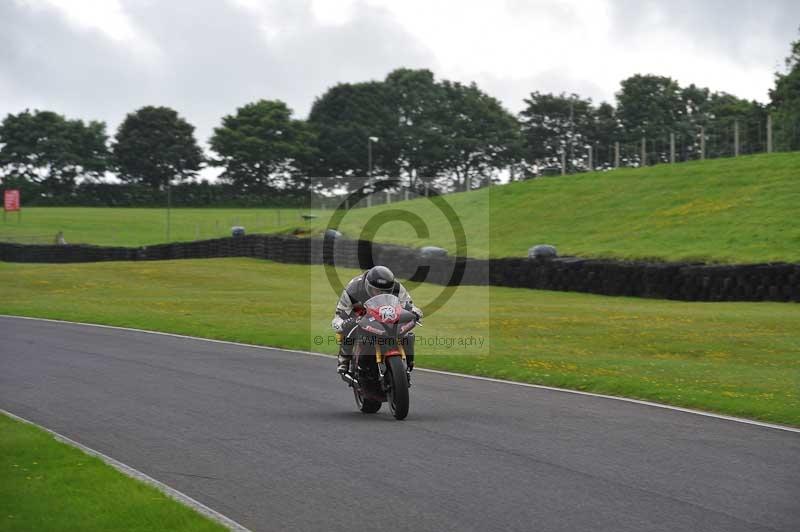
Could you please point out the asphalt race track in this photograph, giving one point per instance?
(272, 439)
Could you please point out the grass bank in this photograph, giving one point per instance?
(737, 358)
(123, 226)
(46, 485)
(723, 210)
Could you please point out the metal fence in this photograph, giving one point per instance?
(714, 139)
(728, 137)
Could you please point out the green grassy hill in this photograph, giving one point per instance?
(724, 210)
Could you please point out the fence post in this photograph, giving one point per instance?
(702, 143)
(405, 194)
(736, 138)
(563, 162)
(591, 165)
(672, 148)
(644, 152)
(369, 201)
(769, 133)
(388, 197)
(169, 209)
(616, 154)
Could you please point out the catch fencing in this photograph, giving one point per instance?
(728, 137)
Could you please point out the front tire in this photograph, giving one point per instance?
(398, 387)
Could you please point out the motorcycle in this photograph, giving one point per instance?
(378, 370)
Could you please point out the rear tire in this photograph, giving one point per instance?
(366, 405)
(398, 391)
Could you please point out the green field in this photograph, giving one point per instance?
(723, 210)
(737, 358)
(124, 226)
(46, 485)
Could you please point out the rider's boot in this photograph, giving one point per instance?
(345, 355)
(344, 363)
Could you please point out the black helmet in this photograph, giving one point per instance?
(379, 280)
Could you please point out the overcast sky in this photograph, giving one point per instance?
(101, 59)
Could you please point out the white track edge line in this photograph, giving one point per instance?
(138, 475)
(735, 419)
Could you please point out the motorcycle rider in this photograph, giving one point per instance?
(375, 281)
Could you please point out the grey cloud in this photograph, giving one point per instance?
(513, 92)
(749, 31)
(215, 58)
(43, 62)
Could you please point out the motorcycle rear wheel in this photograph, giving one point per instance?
(365, 404)
(397, 394)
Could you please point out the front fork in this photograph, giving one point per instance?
(381, 356)
(381, 352)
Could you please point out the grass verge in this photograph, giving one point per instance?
(736, 358)
(122, 226)
(47, 485)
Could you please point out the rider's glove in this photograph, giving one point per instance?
(348, 325)
(416, 311)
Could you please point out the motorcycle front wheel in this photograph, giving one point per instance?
(397, 394)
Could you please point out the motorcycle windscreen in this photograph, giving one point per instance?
(385, 308)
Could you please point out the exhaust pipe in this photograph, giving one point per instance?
(349, 379)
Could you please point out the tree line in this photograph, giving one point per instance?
(434, 133)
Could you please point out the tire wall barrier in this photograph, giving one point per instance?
(681, 281)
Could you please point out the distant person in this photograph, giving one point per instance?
(60, 241)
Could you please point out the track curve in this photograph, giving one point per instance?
(271, 439)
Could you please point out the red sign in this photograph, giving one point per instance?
(11, 200)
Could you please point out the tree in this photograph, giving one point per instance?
(650, 106)
(723, 112)
(429, 130)
(481, 137)
(400, 111)
(155, 146)
(686, 112)
(553, 123)
(604, 131)
(419, 138)
(785, 102)
(261, 147)
(344, 118)
(44, 147)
